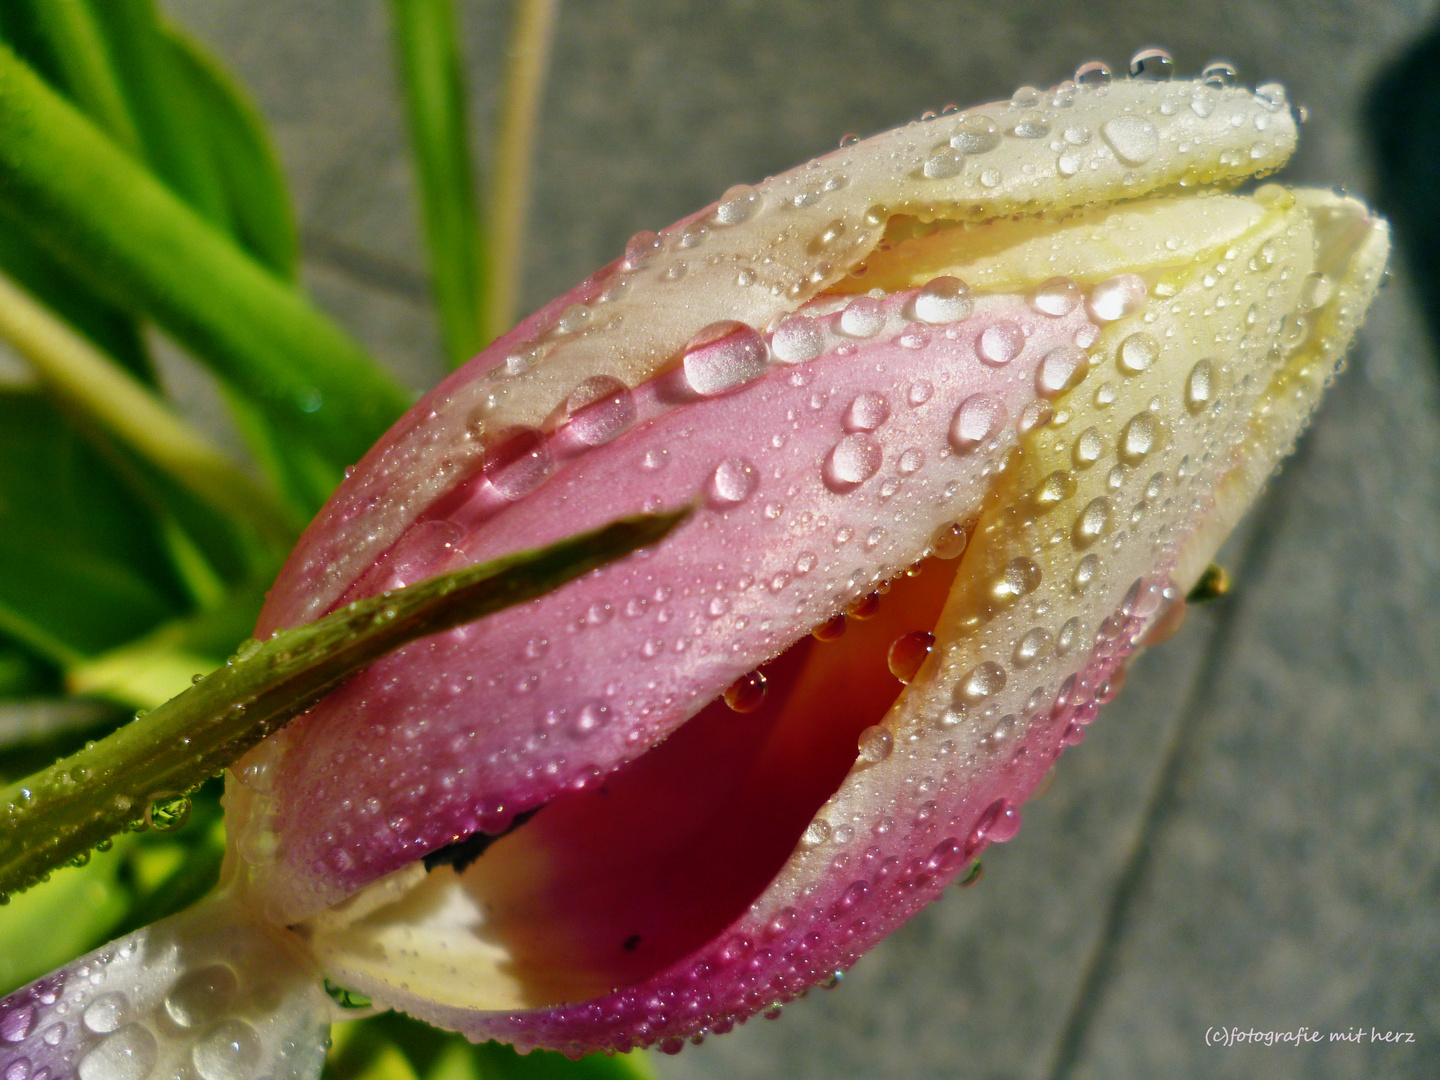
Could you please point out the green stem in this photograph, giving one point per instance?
(94, 385)
(63, 811)
(103, 214)
(434, 94)
(509, 203)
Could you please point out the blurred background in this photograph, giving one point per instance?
(1250, 836)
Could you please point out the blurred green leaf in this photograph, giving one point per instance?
(84, 64)
(81, 562)
(67, 186)
(425, 41)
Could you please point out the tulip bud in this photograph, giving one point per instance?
(968, 407)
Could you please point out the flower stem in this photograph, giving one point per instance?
(119, 782)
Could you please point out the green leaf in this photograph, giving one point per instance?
(68, 187)
(82, 567)
(80, 801)
(429, 61)
(84, 64)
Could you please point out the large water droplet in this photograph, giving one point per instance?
(875, 744)
(976, 135)
(949, 541)
(722, 356)
(1093, 523)
(128, 1054)
(944, 164)
(1032, 646)
(518, 462)
(106, 1013)
(908, 652)
(733, 481)
(863, 317)
(1219, 74)
(1137, 352)
(852, 461)
(1153, 65)
(983, 681)
(747, 693)
(1134, 139)
(999, 823)
(15, 1024)
(1089, 447)
(1094, 73)
(977, 420)
(227, 1052)
(641, 248)
(1020, 577)
(943, 300)
(200, 996)
(867, 412)
(738, 204)
(797, 339)
(166, 813)
(1139, 437)
(1000, 342)
(1200, 386)
(1062, 369)
(1058, 296)
(1031, 127)
(1117, 298)
(599, 409)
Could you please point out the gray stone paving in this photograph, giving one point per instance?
(1251, 834)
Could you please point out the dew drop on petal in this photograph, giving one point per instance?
(1033, 645)
(127, 1054)
(229, 1051)
(599, 409)
(105, 1013)
(738, 204)
(875, 745)
(15, 1023)
(1152, 65)
(867, 412)
(977, 419)
(949, 541)
(733, 481)
(943, 300)
(1061, 370)
(1137, 352)
(1134, 139)
(747, 693)
(1138, 438)
(863, 317)
(1200, 386)
(1219, 74)
(830, 630)
(976, 135)
(999, 822)
(983, 681)
(1093, 523)
(943, 164)
(1094, 73)
(518, 462)
(1120, 296)
(852, 461)
(797, 339)
(920, 392)
(908, 652)
(1000, 342)
(641, 248)
(1058, 296)
(723, 356)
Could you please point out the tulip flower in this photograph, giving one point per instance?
(967, 408)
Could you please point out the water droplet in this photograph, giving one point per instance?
(920, 392)
(1032, 646)
(1094, 73)
(1117, 298)
(1093, 523)
(863, 317)
(977, 419)
(1219, 74)
(867, 412)
(831, 629)
(747, 693)
(1062, 369)
(19, 1069)
(518, 462)
(852, 461)
(976, 135)
(1139, 437)
(1137, 352)
(1089, 447)
(1000, 342)
(908, 652)
(943, 300)
(128, 1054)
(15, 1024)
(949, 541)
(733, 481)
(875, 745)
(1271, 95)
(911, 462)
(1053, 490)
(640, 249)
(944, 164)
(797, 339)
(722, 356)
(590, 718)
(1134, 139)
(1315, 291)
(1020, 577)
(52, 1035)
(599, 409)
(165, 813)
(1085, 571)
(999, 822)
(1152, 65)
(1031, 127)
(227, 1052)
(106, 1013)
(816, 833)
(1200, 386)
(572, 319)
(867, 607)
(983, 681)
(1058, 296)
